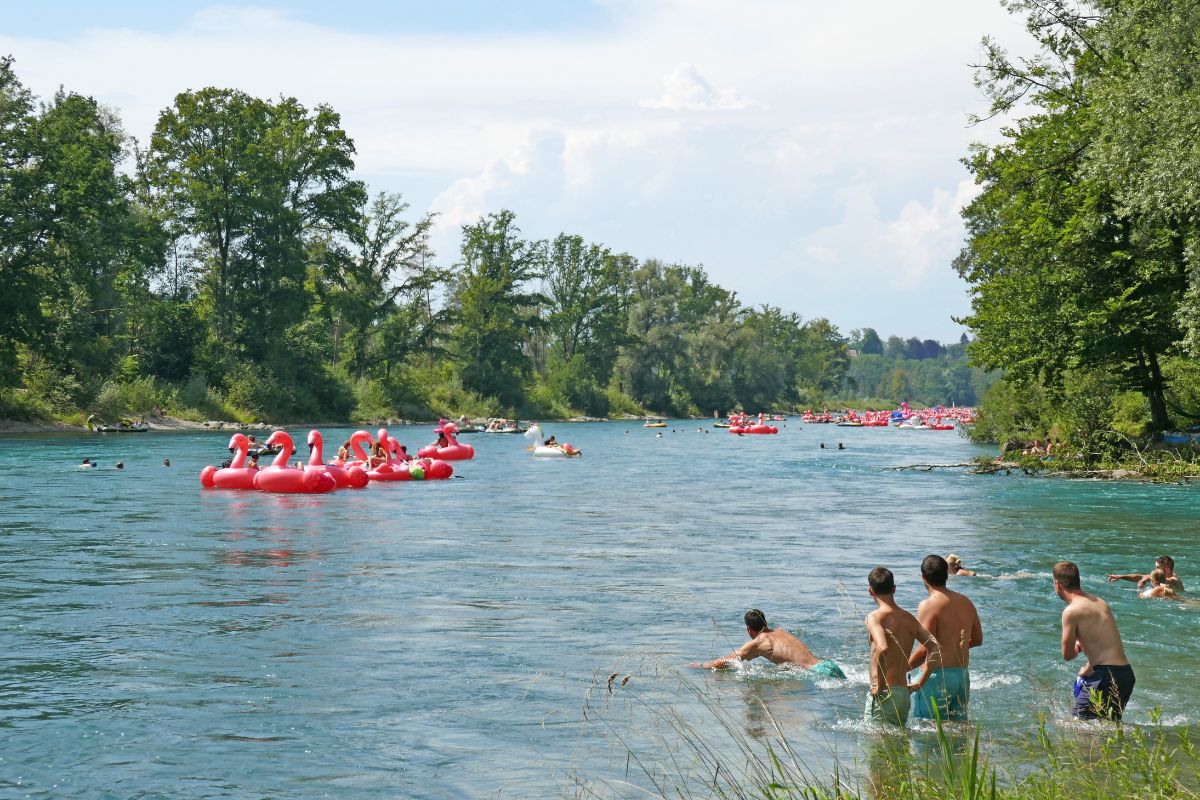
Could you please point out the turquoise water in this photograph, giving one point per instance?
(453, 638)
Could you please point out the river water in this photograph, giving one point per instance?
(454, 638)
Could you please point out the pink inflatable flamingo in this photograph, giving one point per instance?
(281, 478)
(419, 469)
(452, 450)
(389, 470)
(359, 442)
(353, 476)
(237, 475)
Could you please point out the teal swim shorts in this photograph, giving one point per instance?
(828, 669)
(890, 707)
(950, 688)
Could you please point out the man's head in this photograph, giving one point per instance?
(1066, 578)
(935, 570)
(1165, 563)
(756, 622)
(882, 582)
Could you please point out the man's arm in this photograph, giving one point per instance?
(976, 632)
(1070, 641)
(1133, 576)
(879, 649)
(746, 652)
(929, 642)
(927, 617)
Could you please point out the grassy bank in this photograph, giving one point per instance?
(664, 752)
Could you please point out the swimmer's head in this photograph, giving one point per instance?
(1165, 562)
(935, 570)
(882, 582)
(756, 621)
(953, 560)
(1066, 576)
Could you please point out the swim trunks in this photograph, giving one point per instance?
(890, 706)
(828, 669)
(950, 689)
(1103, 692)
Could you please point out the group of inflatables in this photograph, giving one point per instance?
(379, 459)
(741, 424)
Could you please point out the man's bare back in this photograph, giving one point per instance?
(777, 646)
(892, 631)
(1089, 627)
(952, 619)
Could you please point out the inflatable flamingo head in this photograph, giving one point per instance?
(382, 436)
(237, 442)
(314, 438)
(277, 438)
(449, 427)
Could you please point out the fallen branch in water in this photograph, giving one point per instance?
(978, 467)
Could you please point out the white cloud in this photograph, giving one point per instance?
(842, 154)
(685, 89)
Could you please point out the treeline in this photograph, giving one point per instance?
(234, 268)
(920, 371)
(1083, 251)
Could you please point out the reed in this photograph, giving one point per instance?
(665, 749)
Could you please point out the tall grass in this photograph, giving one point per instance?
(665, 749)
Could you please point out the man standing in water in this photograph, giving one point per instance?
(952, 619)
(1106, 680)
(891, 631)
(777, 646)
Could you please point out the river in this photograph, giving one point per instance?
(454, 638)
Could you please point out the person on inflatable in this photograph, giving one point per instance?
(377, 455)
(552, 442)
(344, 452)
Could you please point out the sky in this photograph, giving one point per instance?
(807, 155)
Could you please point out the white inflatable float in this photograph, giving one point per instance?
(564, 450)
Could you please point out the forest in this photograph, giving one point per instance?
(232, 267)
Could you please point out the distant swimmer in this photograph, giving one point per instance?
(952, 619)
(954, 563)
(658, 435)
(777, 646)
(88, 464)
(1106, 681)
(841, 446)
(166, 462)
(120, 465)
(892, 631)
(1162, 580)
(822, 445)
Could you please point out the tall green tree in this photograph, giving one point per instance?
(496, 309)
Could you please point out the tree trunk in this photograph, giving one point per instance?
(1155, 393)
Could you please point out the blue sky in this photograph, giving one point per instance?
(806, 154)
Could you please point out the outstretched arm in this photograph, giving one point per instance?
(746, 652)
(1133, 576)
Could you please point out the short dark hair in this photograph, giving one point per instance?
(882, 581)
(1066, 574)
(1166, 561)
(935, 570)
(756, 620)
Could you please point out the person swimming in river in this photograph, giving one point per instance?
(777, 646)
(954, 563)
(88, 464)
(1162, 580)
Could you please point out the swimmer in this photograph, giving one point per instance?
(1163, 575)
(956, 567)
(892, 631)
(658, 435)
(87, 464)
(166, 462)
(120, 465)
(1105, 682)
(951, 617)
(777, 646)
(841, 446)
(822, 445)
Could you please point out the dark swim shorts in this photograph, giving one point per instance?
(1103, 692)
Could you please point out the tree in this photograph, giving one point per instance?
(495, 310)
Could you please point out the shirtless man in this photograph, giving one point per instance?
(778, 647)
(891, 631)
(952, 619)
(1106, 680)
(1163, 580)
